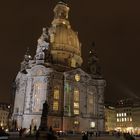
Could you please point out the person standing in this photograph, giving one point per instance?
(37, 135)
(85, 137)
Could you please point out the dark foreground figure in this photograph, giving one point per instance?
(49, 135)
(127, 136)
(85, 137)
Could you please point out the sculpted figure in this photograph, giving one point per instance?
(42, 45)
(45, 109)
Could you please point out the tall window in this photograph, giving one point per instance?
(56, 95)
(90, 105)
(37, 97)
(76, 102)
(55, 105)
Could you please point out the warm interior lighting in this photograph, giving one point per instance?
(55, 105)
(76, 105)
(92, 124)
(76, 111)
(77, 77)
(76, 95)
(76, 122)
(76, 102)
(56, 94)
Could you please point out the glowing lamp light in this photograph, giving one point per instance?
(76, 122)
(92, 124)
(6, 130)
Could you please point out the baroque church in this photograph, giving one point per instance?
(75, 97)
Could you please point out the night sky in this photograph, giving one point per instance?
(114, 26)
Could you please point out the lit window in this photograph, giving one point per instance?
(76, 95)
(122, 119)
(117, 114)
(76, 111)
(125, 119)
(76, 105)
(122, 114)
(130, 119)
(55, 105)
(117, 119)
(76, 102)
(56, 94)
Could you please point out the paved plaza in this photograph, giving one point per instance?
(73, 138)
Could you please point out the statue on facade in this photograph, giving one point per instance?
(25, 62)
(44, 117)
(45, 109)
(42, 46)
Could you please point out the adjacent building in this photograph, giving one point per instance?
(126, 116)
(4, 115)
(75, 97)
(110, 118)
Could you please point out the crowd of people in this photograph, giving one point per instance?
(126, 136)
(52, 135)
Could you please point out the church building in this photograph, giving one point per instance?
(75, 97)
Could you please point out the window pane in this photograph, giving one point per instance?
(76, 95)
(76, 111)
(76, 105)
(55, 105)
(56, 94)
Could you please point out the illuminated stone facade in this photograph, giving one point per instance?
(123, 117)
(4, 114)
(110, 118)
(75, 98)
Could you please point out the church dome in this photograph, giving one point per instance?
(65, 45)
